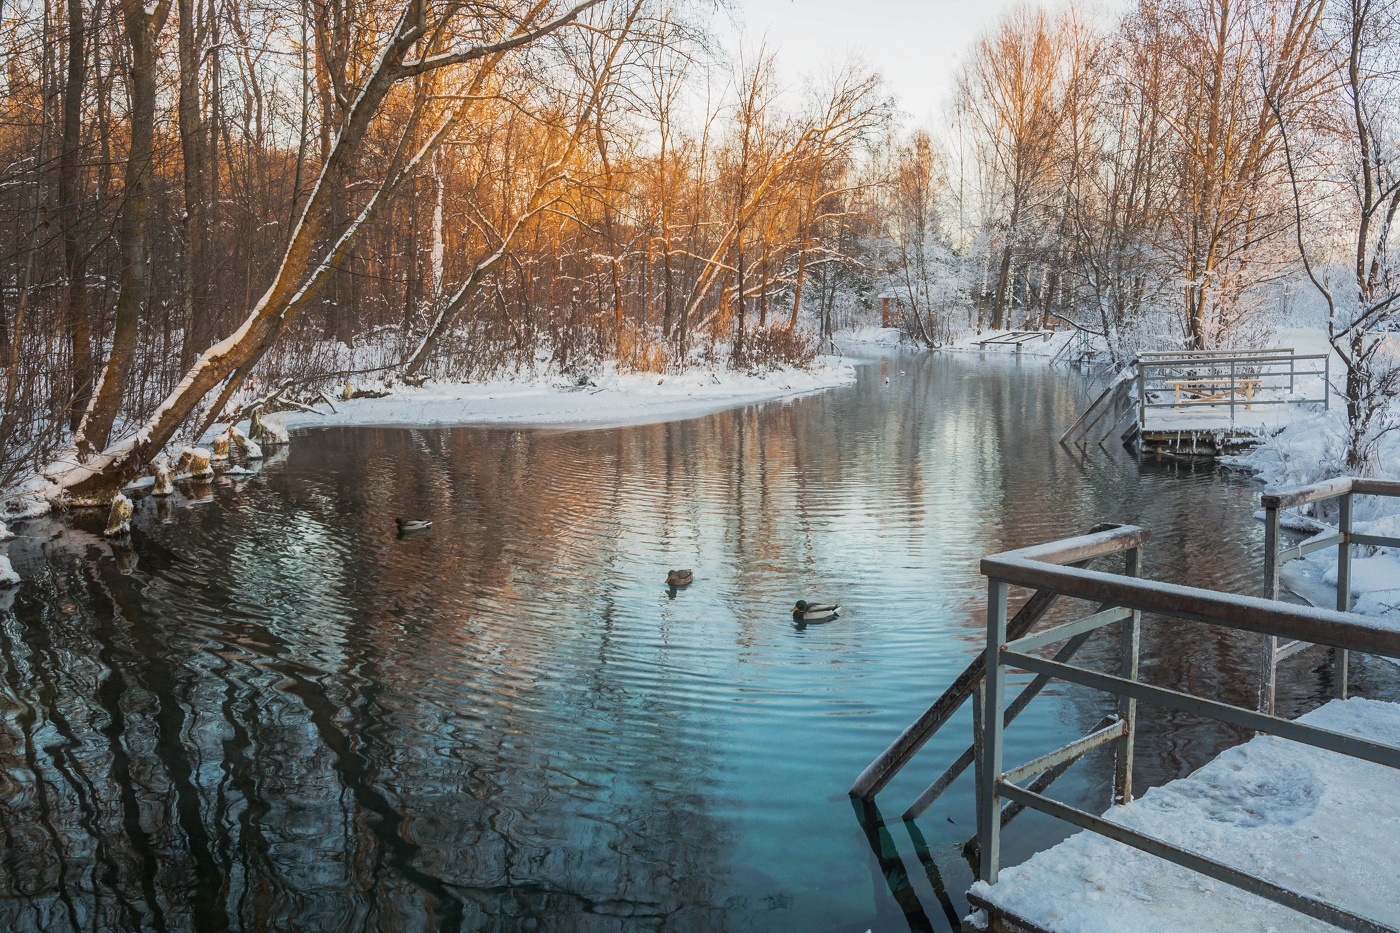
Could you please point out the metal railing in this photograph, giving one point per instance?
(968, 684)
(1227, 379)
(1056, 570)
(1343, 490)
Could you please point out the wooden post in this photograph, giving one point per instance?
(979, 702)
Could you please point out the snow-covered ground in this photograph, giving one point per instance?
(1044, 344)
(869, 335)
(609, 399)
(1314, 821)
(1308, 446)
(1311, 449)
(1050, 344)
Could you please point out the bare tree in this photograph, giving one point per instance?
(317, 246)
(1362, 310)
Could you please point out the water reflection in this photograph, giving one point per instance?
(270, 712)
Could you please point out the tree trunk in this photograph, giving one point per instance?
(141, 31)
(797, 289)
(193, 142)
(69, 194)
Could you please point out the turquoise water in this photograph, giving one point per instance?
(272, 713)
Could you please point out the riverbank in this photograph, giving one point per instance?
(609, 399)
(1313, 449)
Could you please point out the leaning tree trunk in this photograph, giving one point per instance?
(313, 251)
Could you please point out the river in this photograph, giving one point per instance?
(272, 713)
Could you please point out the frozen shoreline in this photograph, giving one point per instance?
(1311, 448)
(608, 400)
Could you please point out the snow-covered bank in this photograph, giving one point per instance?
(1310, 820)
(1048, 343)
(608, 399)
(1314, 448)
(869, 335)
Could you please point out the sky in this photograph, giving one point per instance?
(918, 46)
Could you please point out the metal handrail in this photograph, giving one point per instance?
(1173, 361)
(1043, 567)
(1281, 351)
(1343, 489)
(1035, 567)
(1254, 365)
(1103, 540)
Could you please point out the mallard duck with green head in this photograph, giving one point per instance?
(806, 611)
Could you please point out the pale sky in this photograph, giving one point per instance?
(917, 46)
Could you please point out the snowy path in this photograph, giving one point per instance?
(1307, 819)
(611, 399)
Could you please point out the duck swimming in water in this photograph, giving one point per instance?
(680, 578)
(407, 525)
(813, 612)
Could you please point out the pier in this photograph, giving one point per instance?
(1203, 404)
(1295, 829)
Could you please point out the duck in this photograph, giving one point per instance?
(680, 578)
(408, 524)
(806, 611)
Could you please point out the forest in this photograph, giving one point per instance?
(211, 207)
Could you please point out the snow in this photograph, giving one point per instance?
(869, 335)
(119, 519)
(8, 577)
(1051, 345)
(5, 533)
(1307, 819)
(31, 498)
(1265, 419)
(609, 399)
(1312, 447)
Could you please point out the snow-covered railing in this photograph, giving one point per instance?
(1228, 379)
(1342, 489)
(1050, 570)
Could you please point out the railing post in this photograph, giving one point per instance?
(1327, 382)
(1127, 707)
(1292, 365)
(1340, 656)
(1232, 393)
(979, 702)
(1142, 397)
(1269, 679)
(988, 796)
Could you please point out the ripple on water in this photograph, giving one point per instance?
(285, 716)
